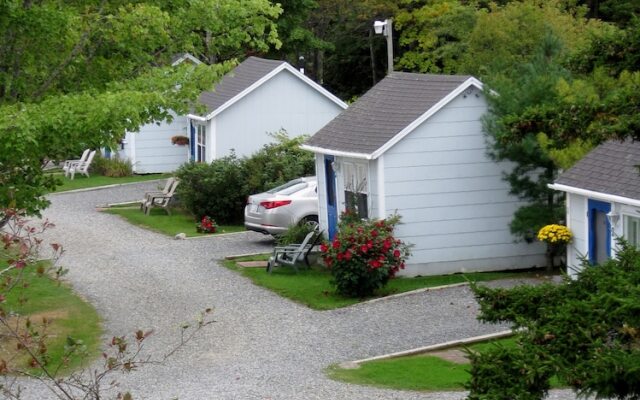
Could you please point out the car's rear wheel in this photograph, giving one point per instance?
(310, 220)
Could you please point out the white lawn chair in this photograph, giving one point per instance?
(82, 167)
(294, 254)
(161, 200)
(163, 192)
(69, 163)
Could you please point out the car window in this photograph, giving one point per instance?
(293, 189)
(293, 186)
(285, 186)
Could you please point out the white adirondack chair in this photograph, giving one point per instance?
(161, 200)
(294, 254)
(69, 163)
(82, 167)
(163, 192)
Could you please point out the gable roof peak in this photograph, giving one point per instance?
(387, 112)
(247, 76)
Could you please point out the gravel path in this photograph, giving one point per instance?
(262, 346)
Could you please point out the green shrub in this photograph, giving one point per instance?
(585, 331)
(364, 255)
(213, 190)
(220, 189)
(99, 164)
(113, 167)
(277, 163)
(295, 234)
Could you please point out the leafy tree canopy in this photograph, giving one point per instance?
(79, 74)
(434, 36)
(506, 37)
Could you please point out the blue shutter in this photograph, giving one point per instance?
(192, 142)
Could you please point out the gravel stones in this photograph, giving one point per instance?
(261, 346)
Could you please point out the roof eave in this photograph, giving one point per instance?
(197, 117)
(184, 57)
(337, 153)
(594, 195)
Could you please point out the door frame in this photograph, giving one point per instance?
(192, 140)
(332, 198)
(593, 207)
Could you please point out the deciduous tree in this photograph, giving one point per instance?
(79, 74)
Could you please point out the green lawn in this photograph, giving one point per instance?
(178, 222)
(421, 372)
(82, 182)
(312, 287)
(71, 316)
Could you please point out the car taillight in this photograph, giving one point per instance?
(274, 204)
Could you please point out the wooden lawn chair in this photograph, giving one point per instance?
(163, 192)
(82, 167)
(69, 163)
(294, 254)
(161, 200)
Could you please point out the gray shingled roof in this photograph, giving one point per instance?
(610, 168)
(240, 78)
(384, 111)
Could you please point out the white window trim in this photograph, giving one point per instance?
(355, 164)
(199, 144)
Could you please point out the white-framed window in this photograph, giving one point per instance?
(201, 143)
(632, 230)
(356, 188)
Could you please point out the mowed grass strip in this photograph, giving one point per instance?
(82, 182)
(421, 372)
(159, 221)
(313, 288)
(38, 296)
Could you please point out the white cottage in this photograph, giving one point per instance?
(603, 202)
(150, 149)
(257, 98)
(414, 145)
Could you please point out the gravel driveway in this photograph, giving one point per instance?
(262, 346)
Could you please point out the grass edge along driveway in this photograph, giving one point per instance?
(159, 221)
(313, 288)
(95, 181)
(420, 372)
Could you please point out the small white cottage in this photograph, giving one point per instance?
(414, 145)
(255, 99)
(603, 202)
(150, 149)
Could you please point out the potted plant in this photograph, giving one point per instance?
(180, 140)
(556, 237)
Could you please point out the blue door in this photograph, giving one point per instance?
(332, 209)
(599, 231)
(192, 141)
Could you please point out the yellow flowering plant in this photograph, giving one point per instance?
(555, 234)
(556, 237)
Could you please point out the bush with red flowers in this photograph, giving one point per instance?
(207, 225)
(364, 255)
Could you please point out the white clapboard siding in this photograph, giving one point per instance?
(577, 223)
(454, 203)
(154, 152)
(283, 102)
